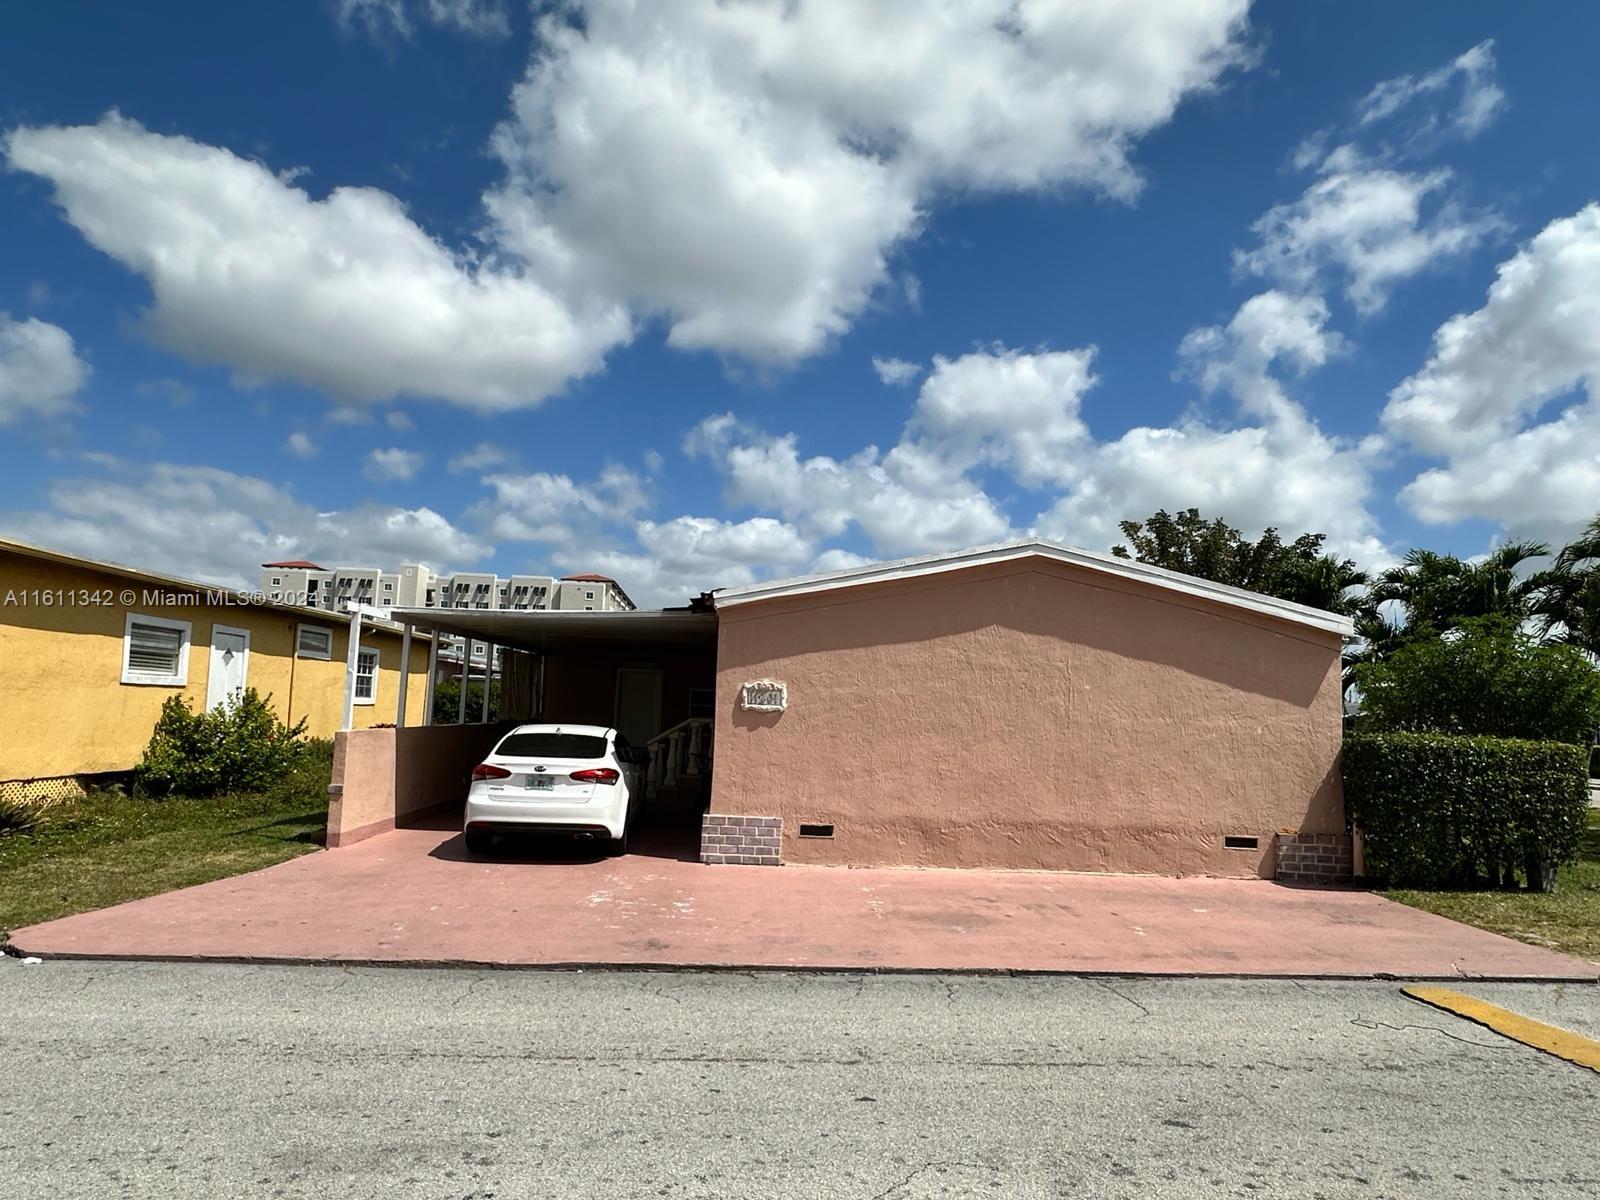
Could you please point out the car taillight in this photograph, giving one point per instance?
(595, 775)
(488, 771)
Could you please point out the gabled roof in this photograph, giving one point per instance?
(1106, 564)
(587, 579)
(294, 564)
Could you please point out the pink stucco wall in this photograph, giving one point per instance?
(1029, 715)
(382, 777)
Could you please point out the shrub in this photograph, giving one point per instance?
(1438, 810)
(19, 814)
(447, 700)
(1488, 677)
(238, 746)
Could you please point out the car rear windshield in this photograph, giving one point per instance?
(553, 745)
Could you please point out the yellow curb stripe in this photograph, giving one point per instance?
(1552, 1039)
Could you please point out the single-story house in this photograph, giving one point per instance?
(90, 650)
(1026, 705)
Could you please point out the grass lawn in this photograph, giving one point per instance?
(1568, 920)
(108, 848)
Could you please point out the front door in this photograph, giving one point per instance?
(230, 664)
(638, 704)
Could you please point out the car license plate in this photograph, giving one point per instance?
(540, 783)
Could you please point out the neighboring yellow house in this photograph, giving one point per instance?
(89, 651)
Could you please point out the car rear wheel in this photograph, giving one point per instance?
(478, 841)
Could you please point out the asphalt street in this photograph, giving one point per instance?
(134, 1080)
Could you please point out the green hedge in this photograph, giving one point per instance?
(1438, 810)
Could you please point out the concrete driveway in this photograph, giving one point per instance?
(414, 897)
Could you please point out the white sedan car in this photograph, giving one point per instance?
(580, 780)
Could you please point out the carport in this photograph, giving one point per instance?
(650, 673)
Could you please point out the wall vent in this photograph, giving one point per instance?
(816, 831)
(1237, 841)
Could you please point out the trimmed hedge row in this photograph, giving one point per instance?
(1440, 810)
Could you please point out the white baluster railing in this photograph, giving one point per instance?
(684, 750)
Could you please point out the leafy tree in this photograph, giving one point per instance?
(1486, 676)
(1297, 570)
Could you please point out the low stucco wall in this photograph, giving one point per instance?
(1030, 716)
(383, 777)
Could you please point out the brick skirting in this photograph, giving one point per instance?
(753, 841)
(1315, 858)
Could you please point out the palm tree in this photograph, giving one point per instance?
(1569, 603)
(1326, 582)
(1439, 591)
(1430, 593)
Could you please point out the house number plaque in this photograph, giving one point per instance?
(764, 695)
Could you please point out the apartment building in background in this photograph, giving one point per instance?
(298, 581)
(416, 586)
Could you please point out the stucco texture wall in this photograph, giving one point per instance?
(1033, 715)
(383, 777)
(65, 711)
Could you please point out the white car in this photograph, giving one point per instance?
(581, 780)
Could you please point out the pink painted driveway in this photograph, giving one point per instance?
(412, 896)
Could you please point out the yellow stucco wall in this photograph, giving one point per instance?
(65, 711)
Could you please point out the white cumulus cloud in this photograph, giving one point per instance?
(344, 293)
(680, 558)
(40, 371)
(895, 372)
(742, 172)
(218, 526)
(1467, 82)
(392, 464)
(1372, 226)
(746, 170)
(1510, 396)
(384, 19)
(300, 445)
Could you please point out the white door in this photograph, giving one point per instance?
(230, 664)
(638, 704)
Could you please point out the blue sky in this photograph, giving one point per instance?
(601, 286)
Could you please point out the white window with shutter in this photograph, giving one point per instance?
(155, 651)
(366, 676)
(313, 641)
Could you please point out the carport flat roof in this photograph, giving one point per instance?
(563, 629)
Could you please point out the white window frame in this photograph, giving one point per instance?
(299, 653)
(366, 654)
(129, 676)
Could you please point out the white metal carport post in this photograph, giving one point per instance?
(433, 672)
(351, 660)
(466, 675)
(488, 678)
(405, 677)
